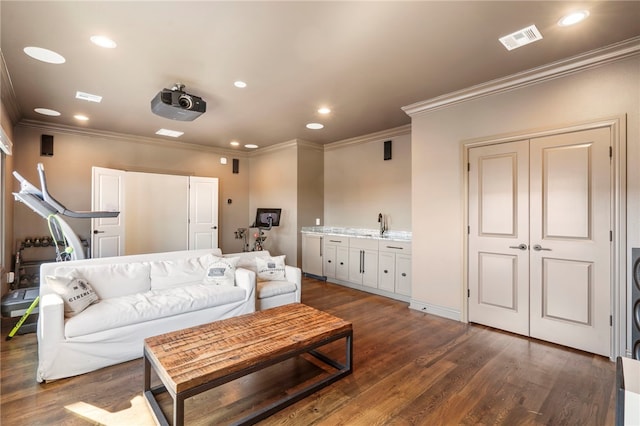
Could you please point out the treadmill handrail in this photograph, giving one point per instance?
(62, 209)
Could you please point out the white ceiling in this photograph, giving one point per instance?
(364, 60)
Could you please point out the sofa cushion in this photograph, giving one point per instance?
(270, 268)
(171, 273)
(267, 289)
(221, 271)
(151, 305)
(76, 293)
(111, 280)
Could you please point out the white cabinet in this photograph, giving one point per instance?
(312, 254)
(394, 267)
(363, 262)
(336, 257)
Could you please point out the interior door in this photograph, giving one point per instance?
(571, 242)
(499, 236)
(561, 239)
(107, 234)
(203, 213)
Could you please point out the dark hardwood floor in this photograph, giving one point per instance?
(410, 368)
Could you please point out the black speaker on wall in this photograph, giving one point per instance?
(236, 165)
(46, 146)
(635, 304)
(387, 150)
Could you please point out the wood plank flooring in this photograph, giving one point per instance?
(410, 368)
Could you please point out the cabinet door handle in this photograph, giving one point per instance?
(386, 272)
(335, 241)
(341, 263)
(328, 261)
(361, 261)
(394, 247)
(404, 274)
(538, 247)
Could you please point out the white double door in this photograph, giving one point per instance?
(539, 238)
(157, 212)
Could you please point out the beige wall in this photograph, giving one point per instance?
(6, 226)
(274, 184)
(69, 175)
(359, 183)
(310, 188)
(437, 170)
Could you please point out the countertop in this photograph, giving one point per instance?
(358, 233)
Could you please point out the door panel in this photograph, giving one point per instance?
(203, 213)
(498, 226)
(107, 234)
(570, 227)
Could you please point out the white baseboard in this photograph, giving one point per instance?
(440, 311)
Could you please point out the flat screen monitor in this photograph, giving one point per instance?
(266, 218)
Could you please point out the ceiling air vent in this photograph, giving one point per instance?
(521, 37)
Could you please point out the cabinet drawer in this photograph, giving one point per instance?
(336, 241)
(363, 243)
(394, 246)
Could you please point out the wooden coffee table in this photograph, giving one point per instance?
(191, 361)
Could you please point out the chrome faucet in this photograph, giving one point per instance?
(383, 224)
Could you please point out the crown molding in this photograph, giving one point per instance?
(103, 134)
(371, 137)
(8, 95)
(564, 67)
(299, 143)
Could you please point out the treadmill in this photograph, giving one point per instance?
(23, 301)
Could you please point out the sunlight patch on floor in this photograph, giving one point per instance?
(137, 415)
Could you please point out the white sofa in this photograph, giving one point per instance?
(270, 294)
(140, 296)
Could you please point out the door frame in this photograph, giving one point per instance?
(617, 125)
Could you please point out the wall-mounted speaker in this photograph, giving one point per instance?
(46, 146)
(635, 303)
(387, 150)
(236, 165)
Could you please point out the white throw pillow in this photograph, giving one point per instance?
(222, 271)
(76, 293)
(270, 268)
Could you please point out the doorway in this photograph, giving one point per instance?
(540, 237)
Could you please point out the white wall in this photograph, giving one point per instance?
(437, 170)
(359, 183)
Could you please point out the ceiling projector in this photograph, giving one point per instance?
(176, 104)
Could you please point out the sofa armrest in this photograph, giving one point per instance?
(50, 331)
(246, 279)
(294, 274)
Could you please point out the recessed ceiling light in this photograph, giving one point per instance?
(103, 41)
(167, 132)
(324, 110)
(44, 55)
(234, 143)
(521, 37)
(315, 126)
(81, 117)
(88, 97)
(240, 84)
(47, 111)
(251, 146)
(573, 18)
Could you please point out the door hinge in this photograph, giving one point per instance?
(468, 167)
(468, 293)
(610, 235)
(469, 229)
(610, 152)
(610, 320)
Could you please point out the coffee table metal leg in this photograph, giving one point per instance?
(178, 411)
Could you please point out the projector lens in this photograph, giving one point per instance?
(185, 101)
